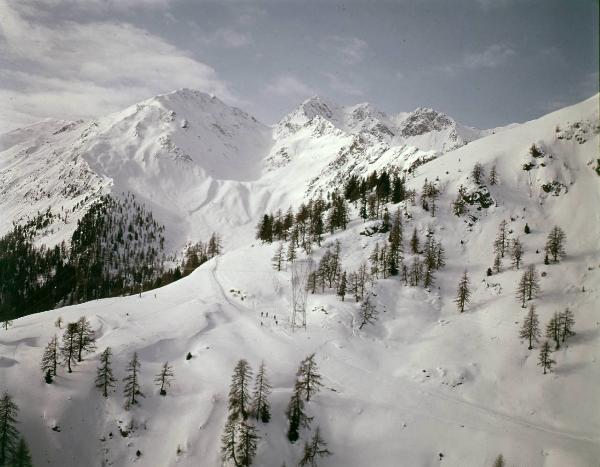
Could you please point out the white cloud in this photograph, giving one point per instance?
(342, 86)
(288, 86)
(349, 50)
(491, 57)
(228, 38)
(77, 70)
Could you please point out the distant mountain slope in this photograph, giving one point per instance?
(202, 166)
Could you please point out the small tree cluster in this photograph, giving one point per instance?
(529, 285)
(201, 252)
(239, 439)
(79, 337)
(429, 196)
(308, 383)
(560, 327)
(555, 244)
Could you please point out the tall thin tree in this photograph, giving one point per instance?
(105, 380)
(260, 408)
(132, 382)
(309, 377)
(530, 329)
(545, 357)
(9, 435)
(86, 339)
(463, 293)
(317, 447)
(164, 378)
(50, 359)
(68, 349)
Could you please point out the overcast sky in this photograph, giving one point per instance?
(484, 62)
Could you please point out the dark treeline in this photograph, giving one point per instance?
(318, 216)
(117, 248)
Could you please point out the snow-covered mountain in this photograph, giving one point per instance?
(423, 385)
(193, 160)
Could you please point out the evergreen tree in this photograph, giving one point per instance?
(414, 242)
(132, 382)
(368, 312)
(497, 263)
(477, 173)
(50, 359)
(86, 339)
(264, 230)
(545, 357)
(553, 329)
(395, 237)
(533, 282)
(362, 212)
(440, 256)
(239, 391)
(516, 252)
(459, 205)
(493, 176)
(428, 278)
(58, 323)
(229, 441)
(531, 327)
(499, 462)
(297, 418)
(69, 346)
(246, 446)
(527, 230)
(214, 245)
(9, 434)
(261, 409)
(308, 377)
(21, 457)
(164, 378)
(501, 242)
(342, 285)
(316, 448)
(291, 251)
(416, 271)
(567, 321)
(463, 293)
(528, 286)
(354, 286)
(278, 257)
(555, 245)
(104, 375)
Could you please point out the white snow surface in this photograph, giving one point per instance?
(422, 381)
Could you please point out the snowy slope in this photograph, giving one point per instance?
(182, 154)
(423, 380)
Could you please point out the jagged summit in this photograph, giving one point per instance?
(423, 120)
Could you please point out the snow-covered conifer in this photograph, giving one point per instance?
(463, 293)
(164, 378)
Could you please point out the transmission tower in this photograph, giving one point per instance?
(301, 270)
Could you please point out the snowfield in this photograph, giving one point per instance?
(423, 386)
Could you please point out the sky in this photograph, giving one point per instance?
(486, 63)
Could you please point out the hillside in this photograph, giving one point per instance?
(423, 385)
